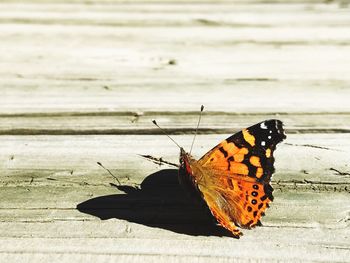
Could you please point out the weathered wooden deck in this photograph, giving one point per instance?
(81, 82)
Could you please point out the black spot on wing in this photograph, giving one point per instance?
(238, 140)
(229, 160)
(221, 149)
(268, 191)
(229, 182)
(249, 223)
(263, 198)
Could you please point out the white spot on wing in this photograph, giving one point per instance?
(269, 137)
(263, 143)
(276, 124)
(263, 126)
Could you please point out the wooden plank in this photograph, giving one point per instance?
(183, 122)
(298, 208)
(201, 249)
(167, 248)
(117, 61)
(175, 14)
(302, 156)
(67, 97)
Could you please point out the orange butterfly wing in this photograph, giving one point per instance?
(239, 170)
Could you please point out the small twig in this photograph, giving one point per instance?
(158, 161)
(100, 164)
(339, 172)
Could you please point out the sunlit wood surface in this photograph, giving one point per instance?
(80, 82)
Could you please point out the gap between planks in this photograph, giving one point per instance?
(176, 122)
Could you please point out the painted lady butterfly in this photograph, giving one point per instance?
(234, 177)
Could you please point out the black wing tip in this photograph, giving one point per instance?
(268, 133)
(278, 124)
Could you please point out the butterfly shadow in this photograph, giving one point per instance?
(159, 202)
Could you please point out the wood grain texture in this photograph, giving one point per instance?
(175, 122)
(80, 82)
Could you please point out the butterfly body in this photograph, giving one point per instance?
(233, 178)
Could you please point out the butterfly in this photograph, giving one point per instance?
(233, 179)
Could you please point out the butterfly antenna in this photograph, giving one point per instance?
(199, 120)
(100, 164)
(155, 123)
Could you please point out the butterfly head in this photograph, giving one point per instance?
(184, 156)
(186, 175)
(185, 161)
(182, 152)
